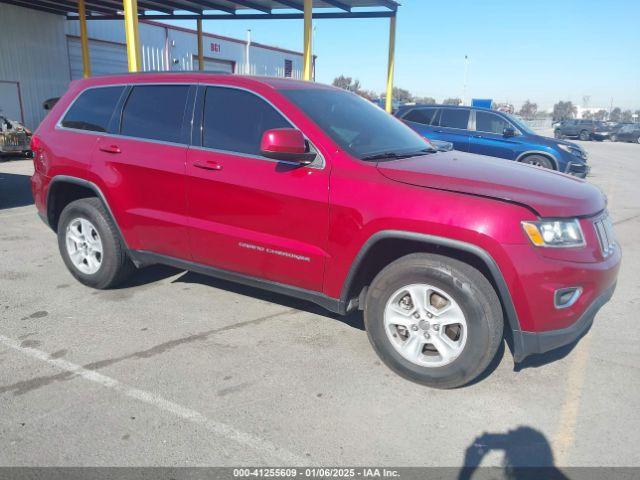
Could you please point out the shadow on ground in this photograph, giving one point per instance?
(527, 455)
(15, 190)
(157, 273)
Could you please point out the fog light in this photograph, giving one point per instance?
(565, 297)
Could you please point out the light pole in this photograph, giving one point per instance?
(466, 73)
(247, 66)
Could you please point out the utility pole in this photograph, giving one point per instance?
(466, 73)
(247, 65)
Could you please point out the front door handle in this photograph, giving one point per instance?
(208, 165)
(478, 136)
(111, 149)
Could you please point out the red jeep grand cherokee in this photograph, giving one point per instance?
(313, 192)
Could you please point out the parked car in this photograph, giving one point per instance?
(314, 192)
(496, 134)
(583, 129)
(14, 138)
(627, 133)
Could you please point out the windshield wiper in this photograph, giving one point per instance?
(397, 155)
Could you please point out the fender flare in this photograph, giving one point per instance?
(87, 184)
(480, 253)
(550, 156)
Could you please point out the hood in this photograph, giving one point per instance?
(549, 193)
(553, 142)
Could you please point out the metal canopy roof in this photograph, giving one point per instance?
(216, 9)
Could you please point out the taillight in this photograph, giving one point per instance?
(38, 154)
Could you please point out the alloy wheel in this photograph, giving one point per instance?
(84, 245)
(425, 325)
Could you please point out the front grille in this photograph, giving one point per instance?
(605, 234)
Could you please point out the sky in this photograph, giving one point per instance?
(541, 50)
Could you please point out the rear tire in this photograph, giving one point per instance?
(91, 246)
(471, 319)
(613, 138)
(558, 134)
(585, 136)
(638, 140)
(538, 161)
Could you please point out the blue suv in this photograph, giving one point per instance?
(497, 134)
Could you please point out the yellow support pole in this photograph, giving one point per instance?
(131, 31)
(308, 35)
(200, 47)
(84, 40)
(391, 66)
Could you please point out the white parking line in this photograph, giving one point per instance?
(260, 445)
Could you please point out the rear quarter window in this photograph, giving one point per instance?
(92, 110)
(421, 115)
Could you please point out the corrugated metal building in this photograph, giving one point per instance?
(40, 54)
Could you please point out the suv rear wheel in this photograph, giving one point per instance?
(558, 134)
(434, 320)
(91, 246)
(585, 135)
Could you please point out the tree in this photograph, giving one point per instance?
(615, 114)
(425, 100)
(368, 94)
(600, 115)
(452, 101)
(347, 83)
(399, 95)
(563, 110)
(587, 115)
(528, 110)
(627, 116)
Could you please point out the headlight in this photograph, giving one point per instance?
(554, 233)
(573, 150)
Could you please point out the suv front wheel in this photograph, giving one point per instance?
(434, 320)
(91, 246)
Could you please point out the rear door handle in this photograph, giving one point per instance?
(208, 165)
(111, 149)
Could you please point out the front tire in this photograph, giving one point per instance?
(91, 246)
(613, 138)
(433, 320)
(538, 161)
(558, 134)
(585, 136)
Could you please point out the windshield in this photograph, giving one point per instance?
(522, 126)
(357, 125)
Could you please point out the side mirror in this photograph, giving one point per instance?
(287, 144)
(509, 132)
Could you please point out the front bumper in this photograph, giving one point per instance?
(531, 343)
(577, 169)
(600, 135)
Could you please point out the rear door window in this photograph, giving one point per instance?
(424, 116)
(454, 118)
(234, 120)
(490, 123)
(155, 112)
(93, 109)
